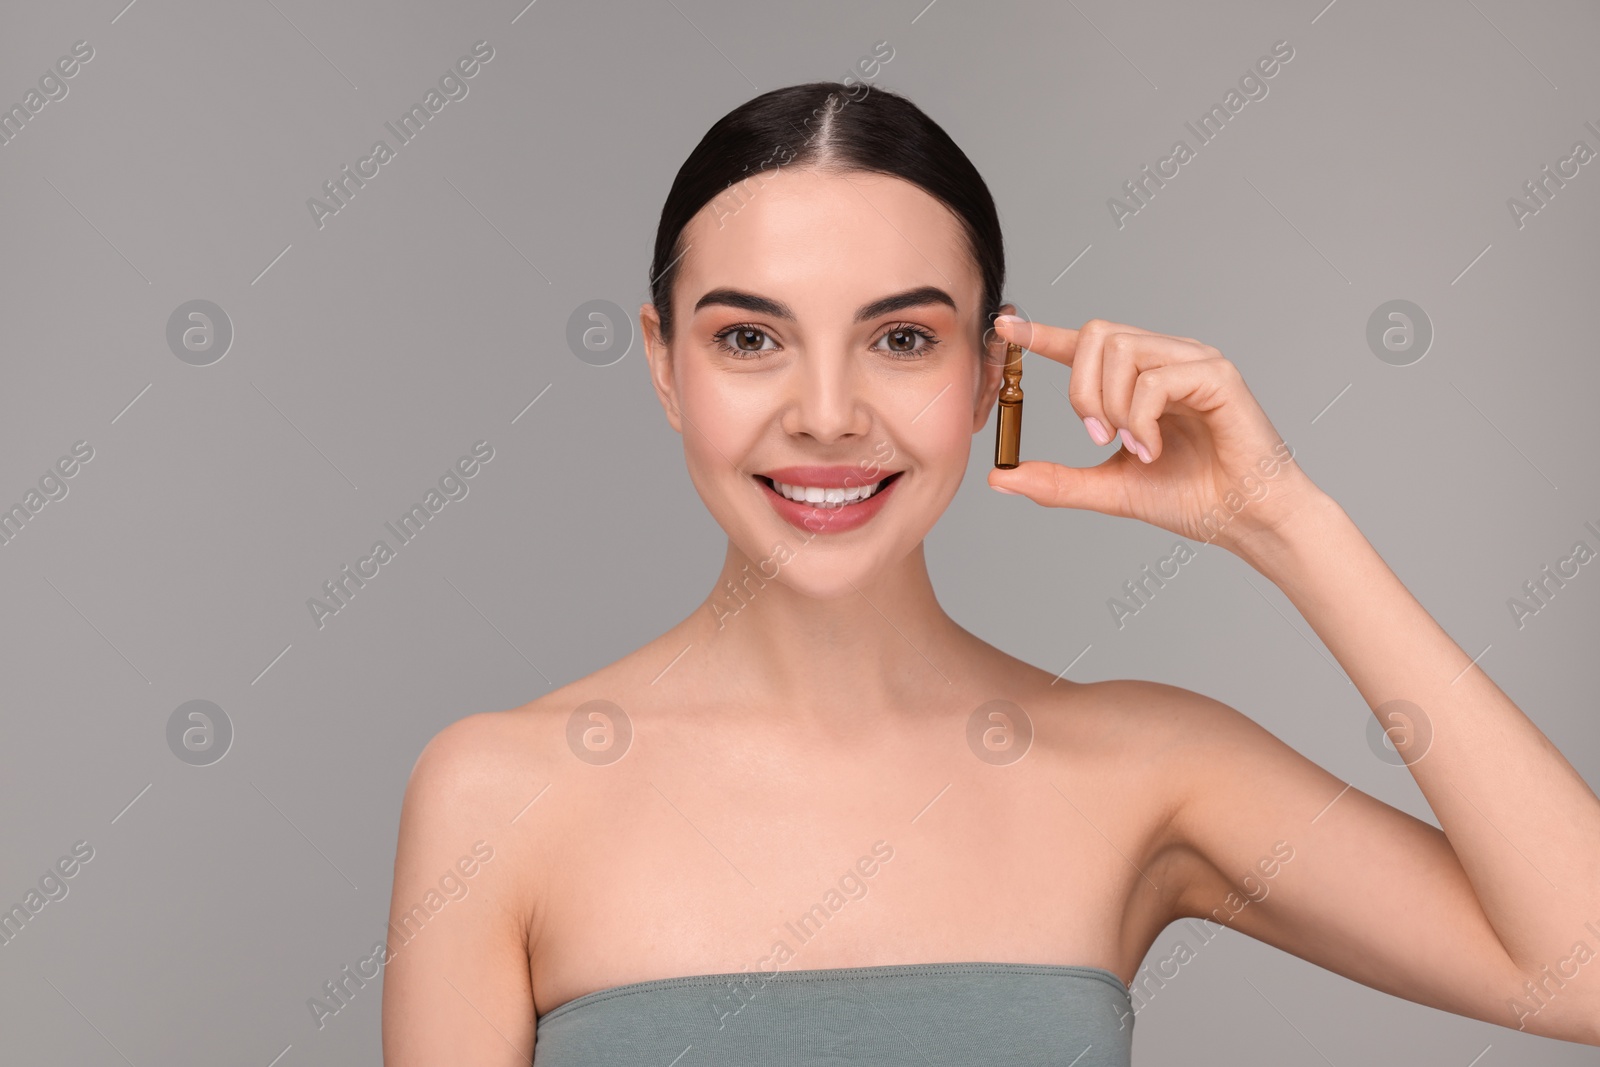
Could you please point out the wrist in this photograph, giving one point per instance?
(1305, 533)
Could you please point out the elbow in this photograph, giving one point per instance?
(1567, 1012)
(1559, 1000)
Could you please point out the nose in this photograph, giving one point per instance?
(826, 400)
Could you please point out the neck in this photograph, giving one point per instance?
(886, 644)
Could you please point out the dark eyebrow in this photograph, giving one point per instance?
(911, 298)
(919, 297)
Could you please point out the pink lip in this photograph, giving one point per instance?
(815, 520)
(827, 477)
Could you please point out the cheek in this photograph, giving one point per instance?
(720, 425)
(940, 433)
(937, 446)
(946, 447)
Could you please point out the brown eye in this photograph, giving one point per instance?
(901, 342)
(743, 342)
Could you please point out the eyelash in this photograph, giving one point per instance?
(900, 327)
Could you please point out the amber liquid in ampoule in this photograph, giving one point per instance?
(1008, 435)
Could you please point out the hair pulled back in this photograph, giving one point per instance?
(835, 127)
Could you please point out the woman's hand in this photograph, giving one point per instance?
(1199, 457)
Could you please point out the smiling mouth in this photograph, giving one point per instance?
(831, 498)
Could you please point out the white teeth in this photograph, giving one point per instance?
(832, 497)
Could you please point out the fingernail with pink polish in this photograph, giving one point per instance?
(1097, 430)
(1134, 446)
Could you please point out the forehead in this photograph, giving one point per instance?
(821, 241)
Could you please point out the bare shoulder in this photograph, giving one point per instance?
(483, 770)
(468, 876)
(1226, 786)
(1164, 721)
(1171, 744)
(487, 759)
(1130, 756)
(1196, 743)
(1140, 719)
(470, 769)
(1133, 748)
(470, 831)
(462, 796)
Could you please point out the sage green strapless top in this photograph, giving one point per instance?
(893, 1015)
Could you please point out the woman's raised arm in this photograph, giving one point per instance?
(1498, 916)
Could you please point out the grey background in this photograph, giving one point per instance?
(428, 314)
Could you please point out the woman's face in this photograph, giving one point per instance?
(816, 353)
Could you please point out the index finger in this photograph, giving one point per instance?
(1059, 343)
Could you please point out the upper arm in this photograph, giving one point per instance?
(1285, 852)
(456, 986)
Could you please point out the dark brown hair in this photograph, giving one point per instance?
(837, 127)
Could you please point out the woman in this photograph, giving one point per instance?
(818, 821)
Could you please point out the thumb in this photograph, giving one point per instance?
(1099, 488)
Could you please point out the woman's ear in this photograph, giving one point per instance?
(991, 373)
(660, 359)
